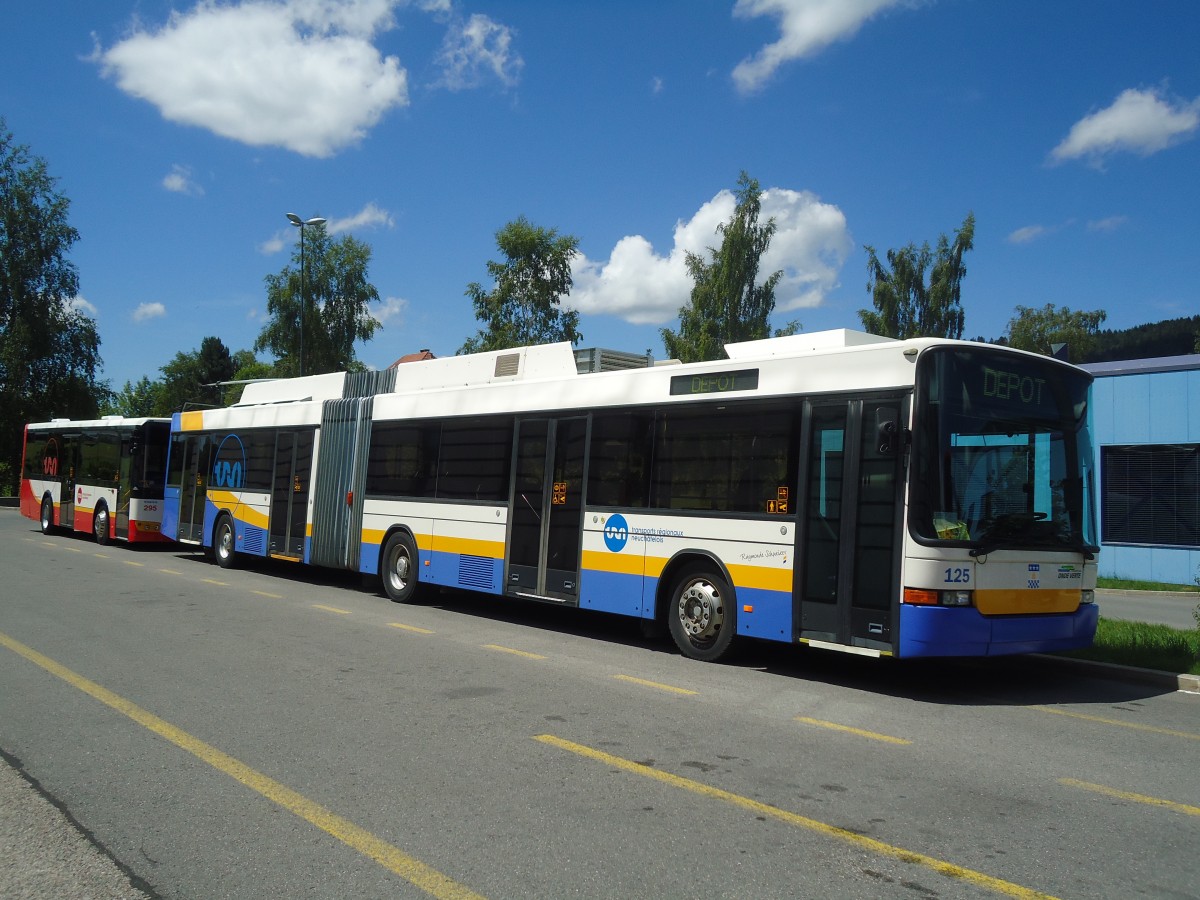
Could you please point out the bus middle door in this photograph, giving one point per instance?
(847, 585)
(547, 508)
(289, 494)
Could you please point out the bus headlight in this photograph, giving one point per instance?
(1087, 597)
(956, 598)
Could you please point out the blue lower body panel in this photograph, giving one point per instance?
(950, 631)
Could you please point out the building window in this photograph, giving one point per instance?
(1151, 495)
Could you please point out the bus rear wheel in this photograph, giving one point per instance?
(47, 515)
(224, 540)
(702, 617)
(398, 568)
(100, 525)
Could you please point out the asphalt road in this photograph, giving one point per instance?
(278, 731)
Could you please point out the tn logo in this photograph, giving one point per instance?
(616, 533)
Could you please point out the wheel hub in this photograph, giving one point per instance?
(700, 610)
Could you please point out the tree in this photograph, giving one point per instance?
(193, 379)
(335, 298)
(727, 303)
(524, 307)
(905, 307)
(49, 350)
(246, 367)
(1039, 329)
(134, 399)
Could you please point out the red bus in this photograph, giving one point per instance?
(103, 476)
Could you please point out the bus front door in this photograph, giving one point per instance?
(546, 509)
(289, 494)
(193, 489)
(847, 583)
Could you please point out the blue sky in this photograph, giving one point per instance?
(183, 133)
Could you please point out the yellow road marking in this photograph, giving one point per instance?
(130, 562)
(1136, 798)
(1103, 721)
(864, 843)
(396, 860)
(101, 555)
(524, 653)
(171, 571)
(834, 726)
(332, 609)
(214, 581)
(654, 684)
(267, 594)
(413, 628)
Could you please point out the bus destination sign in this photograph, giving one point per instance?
(714, 382)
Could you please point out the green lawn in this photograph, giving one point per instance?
(1147, 646)
(1125, 584)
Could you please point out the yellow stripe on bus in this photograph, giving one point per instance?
(243, 511)
(1013, 602)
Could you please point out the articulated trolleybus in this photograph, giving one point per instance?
(103, 476)
(902, 498)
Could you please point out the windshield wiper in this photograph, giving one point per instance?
(1002, 528)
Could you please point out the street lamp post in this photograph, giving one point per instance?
(300, 223)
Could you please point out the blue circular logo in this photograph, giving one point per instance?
(616, 533)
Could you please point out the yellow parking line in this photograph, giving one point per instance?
(654, 684)
(412, 628)
(267, 594)
(524, 653)
(1135, 798)
(130, 562)
(978, 879)
(332, 609)
(390, 857)
(214, 581)
(101, 556)
(171, 571)
(834, 726)
(1103, 721)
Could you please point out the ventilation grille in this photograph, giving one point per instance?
(476, 572)
(253, 540)
(508, 364)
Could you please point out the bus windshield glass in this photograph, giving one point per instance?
(1001, 455)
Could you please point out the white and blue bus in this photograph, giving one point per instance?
(837, 489)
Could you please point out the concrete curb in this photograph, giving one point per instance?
(1170, 680)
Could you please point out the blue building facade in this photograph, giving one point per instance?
(1146, 419)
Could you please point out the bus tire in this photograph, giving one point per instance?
(702, 615)
(398, 568)
(100, 525)
(47, 516)
(224, 542)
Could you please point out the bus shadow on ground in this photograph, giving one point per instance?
(994, 681)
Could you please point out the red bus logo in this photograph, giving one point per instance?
(50, 458)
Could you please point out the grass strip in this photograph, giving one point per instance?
(1145, 645)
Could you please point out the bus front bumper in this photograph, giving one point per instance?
(951, 631)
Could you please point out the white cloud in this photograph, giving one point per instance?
(1112, 223)
(1028, 234)
(80, 305)
(1141, 122)
(641, 286)
(475, 49)
(806, 27)
(180, 181)
(367, 217)
(147, 311)
(389, 309)
(297, 74)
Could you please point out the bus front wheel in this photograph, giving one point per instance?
(398, 568)
(223, 543)
(702, 617)
(100, 525)
(47, 515)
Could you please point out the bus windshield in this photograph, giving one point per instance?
(1001, 455)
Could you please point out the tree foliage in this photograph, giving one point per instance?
(728, 303)
(525, 305)
(1039, 329)
(49, 350)
(907, 307)
(335, 297)
(190, 380)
